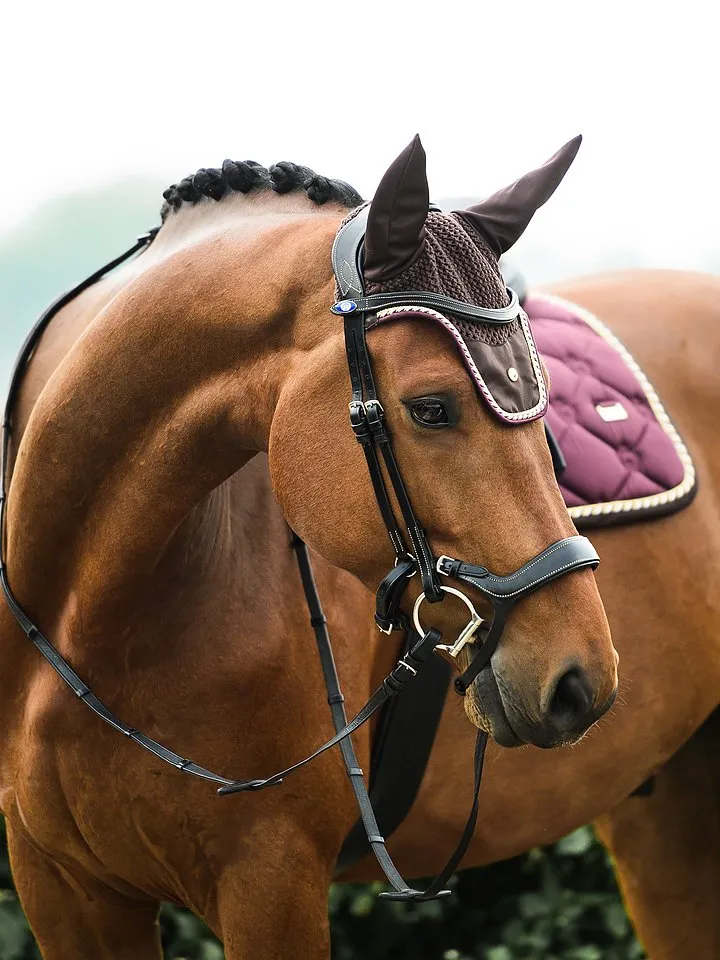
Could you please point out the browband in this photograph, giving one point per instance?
(347, 265)
(404, 298)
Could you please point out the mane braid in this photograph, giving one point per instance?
(242, 176)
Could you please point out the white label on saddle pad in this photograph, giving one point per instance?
(612, 412)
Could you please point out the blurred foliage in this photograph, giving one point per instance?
(554, 904)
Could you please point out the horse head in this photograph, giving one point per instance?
(462, 401)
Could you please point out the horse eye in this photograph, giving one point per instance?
(429, 412)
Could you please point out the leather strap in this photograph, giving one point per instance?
(573, 553)
(84, 693)
(360, 376)
(489, 646)
(404, 672)
(437, 301)
(401, 745)
(346, 254)
(367, 419)
(144, 240)
(347, 265)
(389, 595)
(436, 888)
(413, 661)
(558, 460)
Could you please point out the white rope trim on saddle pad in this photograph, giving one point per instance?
(638, 503)
(509, 416)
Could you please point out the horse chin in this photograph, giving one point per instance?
(484, 709)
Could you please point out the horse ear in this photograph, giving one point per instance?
(395, 232)
(503, 217)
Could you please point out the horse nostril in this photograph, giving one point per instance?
(571, 702)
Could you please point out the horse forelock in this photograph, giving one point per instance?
(244, 176)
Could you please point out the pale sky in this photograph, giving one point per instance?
(92, 92)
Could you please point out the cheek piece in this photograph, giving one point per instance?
(413, 554)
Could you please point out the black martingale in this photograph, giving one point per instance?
(410, 544)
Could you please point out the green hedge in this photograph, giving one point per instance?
(555, 904)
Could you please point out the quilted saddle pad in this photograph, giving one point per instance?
(625, 459)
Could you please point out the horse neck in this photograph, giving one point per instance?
(168, 393)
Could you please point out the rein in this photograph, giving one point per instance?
(412, 552)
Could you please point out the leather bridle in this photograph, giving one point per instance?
(413, 554)
(367, 419)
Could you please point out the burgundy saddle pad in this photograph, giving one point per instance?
(625, 459)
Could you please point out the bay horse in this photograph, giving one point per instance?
(174, 418)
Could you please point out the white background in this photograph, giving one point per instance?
(93, 92)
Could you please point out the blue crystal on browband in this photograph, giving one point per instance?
(344, 306)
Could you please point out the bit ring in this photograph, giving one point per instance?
(466, 634)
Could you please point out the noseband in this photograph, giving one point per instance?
(413, 554)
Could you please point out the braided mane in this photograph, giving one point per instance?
(242, 176)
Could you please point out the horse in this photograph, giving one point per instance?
(174, 420)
